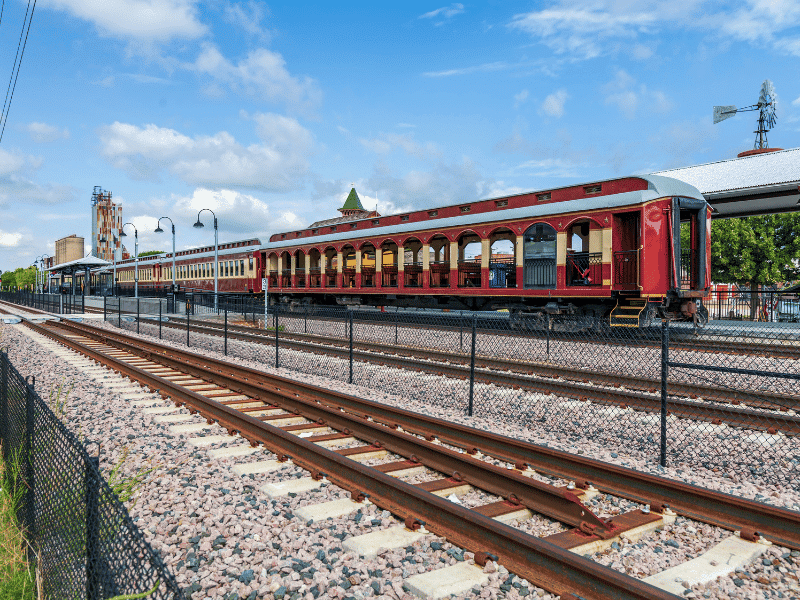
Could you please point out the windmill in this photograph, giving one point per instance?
(766, 107)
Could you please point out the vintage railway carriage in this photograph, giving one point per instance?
(619, 252)
(195, 269)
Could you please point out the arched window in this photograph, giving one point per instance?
(539, 251)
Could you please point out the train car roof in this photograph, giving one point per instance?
(183, 255)
(657, 187)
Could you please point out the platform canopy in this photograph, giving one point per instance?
(80, 265)
(764, 183)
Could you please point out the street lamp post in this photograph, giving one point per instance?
(198, 225)
(43, 275)
(135, 255)
(159, 230)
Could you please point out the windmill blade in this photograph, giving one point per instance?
(723, 112)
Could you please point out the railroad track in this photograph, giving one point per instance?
(261, 407)
(765, 411)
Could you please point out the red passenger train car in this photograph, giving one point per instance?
(619, 252)
(194, 269)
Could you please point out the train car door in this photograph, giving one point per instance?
(626, 251)
(539, 252)
(690, 241)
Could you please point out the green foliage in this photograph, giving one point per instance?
(19, 278)
(756, 250)
(150, 253)
(17, 578)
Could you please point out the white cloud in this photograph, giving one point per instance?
(581, 30)
(387, 142)
(483, 68)
(796, 102)
(42, 132)
(443, 184)
(17, 185)
(641, 52)
(446, 12)
(520, 99)
(9, 240)
(143, 20)
(247, 17)
(549, 167)
(261, 74)
(553, 105)
(584, 29)
(627, 96)
(276, 164)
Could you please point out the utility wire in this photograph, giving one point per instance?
(17, 64)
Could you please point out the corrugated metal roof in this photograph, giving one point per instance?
(757, 170)
(659, 187)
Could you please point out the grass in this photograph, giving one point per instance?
(17, 577)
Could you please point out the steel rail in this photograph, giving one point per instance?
(540, 562)
(373, 351)
(753, 418)
(779, 525)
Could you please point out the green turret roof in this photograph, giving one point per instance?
(353, 202)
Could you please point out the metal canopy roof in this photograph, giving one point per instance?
(751, 185)
(73, 266)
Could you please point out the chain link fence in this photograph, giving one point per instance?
(723, 397)
(84, 543)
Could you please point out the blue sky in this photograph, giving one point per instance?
(267, 112)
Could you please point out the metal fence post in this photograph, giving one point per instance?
(119, 312)
(137, 314)
(472, 364)
(105, 309)
(396, 324)
(277, 310)
(92, 528)
(187, 320)
(226, 331)
(30, 495)
(305, 321)
(664, 374)
(159, 319)
(4, 402)
(61, 304)
(548, 336)
(461, 330)
(350, 320)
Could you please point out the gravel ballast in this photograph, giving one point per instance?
(224, 538)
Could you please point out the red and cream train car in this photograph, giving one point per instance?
(621, 251)
(194, 269)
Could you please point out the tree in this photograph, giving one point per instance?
(150, 253)
(8, 280)
(760, 250)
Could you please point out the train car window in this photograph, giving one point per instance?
(500, 203)
(376, 222)
(404, 218)
(592, 189)
(241, 267)
(283, 236)
(251, 263)
(433, 213)
(235, 268)
(333, 227)
(539, 252)
(466, 209)
(353, 225)
(315, 231)
(543, 197)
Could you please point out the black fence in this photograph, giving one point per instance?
(724, 397)
(743, 305)
(83, 541)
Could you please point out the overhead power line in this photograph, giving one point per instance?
(26, 28)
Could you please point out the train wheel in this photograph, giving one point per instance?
(700, 317)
